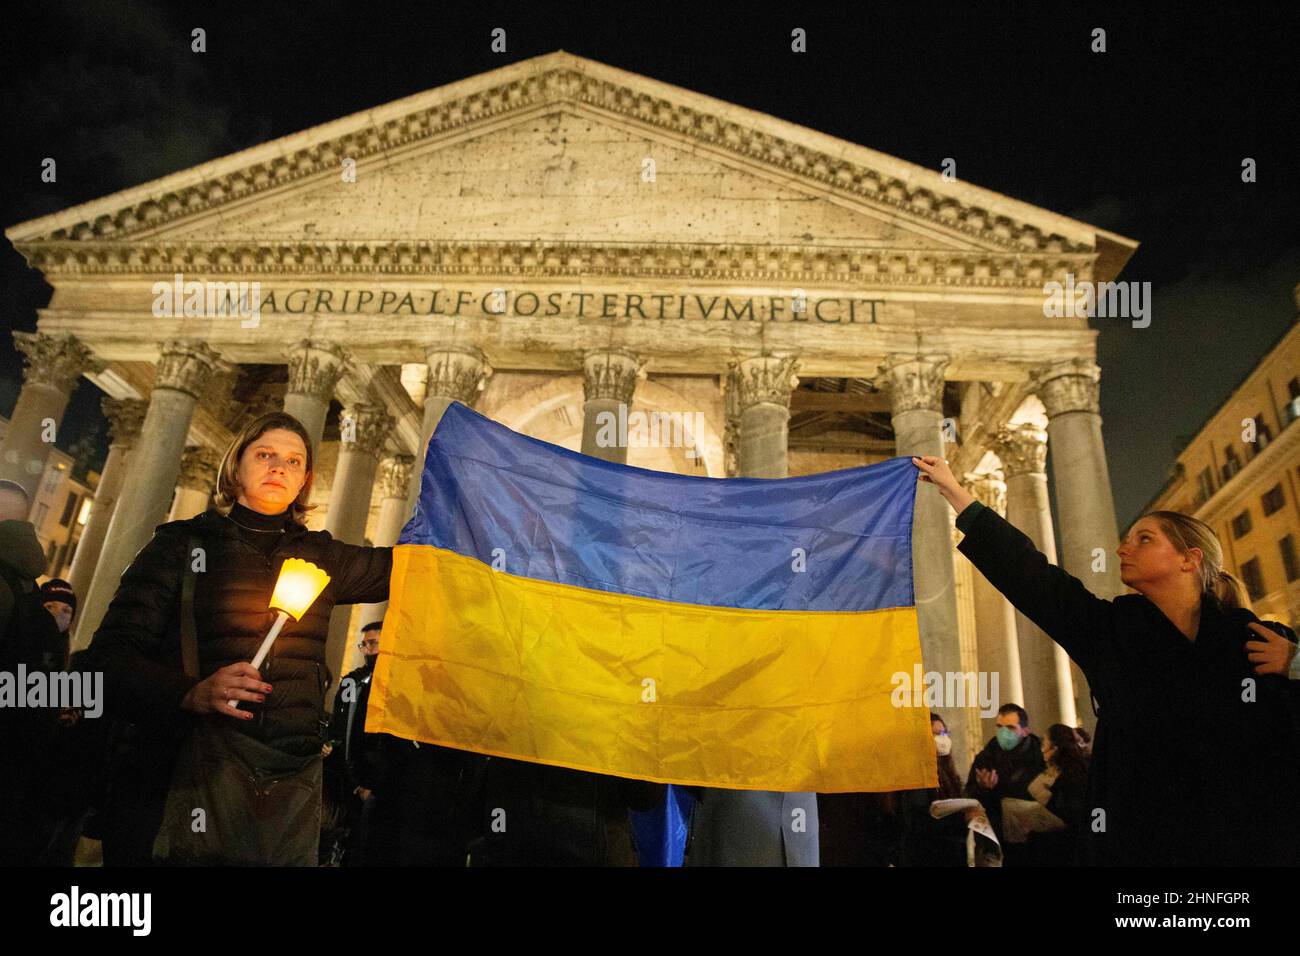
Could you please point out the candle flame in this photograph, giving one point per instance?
(300, 583)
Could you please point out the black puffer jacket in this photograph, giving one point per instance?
(138, 644)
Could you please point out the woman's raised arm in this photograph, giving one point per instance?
(1052, 598)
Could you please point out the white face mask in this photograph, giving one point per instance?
(943, 744)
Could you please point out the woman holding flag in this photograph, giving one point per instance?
(176, 647)
(1196, 759)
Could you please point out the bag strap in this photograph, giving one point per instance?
(189, 630)
(347, 734)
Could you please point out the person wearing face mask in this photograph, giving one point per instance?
(1006, 765)
(349, 751)
(926, 841)
(1062, 790)
(347, 725)
(58, 597)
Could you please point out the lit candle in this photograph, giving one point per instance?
(300, 583)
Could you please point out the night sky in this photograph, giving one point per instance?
(1146, 139)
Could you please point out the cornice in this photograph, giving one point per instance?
(784, 264)
(1229, 496)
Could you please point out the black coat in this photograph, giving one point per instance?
(351, 742)
(138, 644)
(1016, 768)
(1069, 804)
(28, 636)
(1184, 771)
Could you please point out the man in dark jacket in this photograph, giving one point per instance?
(28, 639)
(1007, 765)
(347, 725)
(351, 749)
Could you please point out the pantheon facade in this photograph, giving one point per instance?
(558, 238)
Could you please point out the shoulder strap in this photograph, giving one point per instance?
(347, 734)
(189, 631)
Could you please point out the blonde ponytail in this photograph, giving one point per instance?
(1184, 533)
(1230, 591)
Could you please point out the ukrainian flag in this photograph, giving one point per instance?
(553, 607)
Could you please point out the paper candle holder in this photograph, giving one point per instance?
(299, 585)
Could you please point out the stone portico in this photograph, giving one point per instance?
(558, 239)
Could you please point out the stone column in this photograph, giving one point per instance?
(363, 429)
(995, 618)
(125, 416)
(731, 430)
(198, 478)
(455, 375)
(1089, 532)
(184, 369)
(1044, 666)
(754, 827)
(314, 372)
(609, 378)
(964, 575)
(394, 488)
(762, 387)
(53, 367)
(915, 384)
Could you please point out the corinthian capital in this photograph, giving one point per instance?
(990, 488)
(186, 367)
(199, 468)
(363, 428)
(610, 374)
(1022, 448)
(125, 416)
(395, 476)
(915, 382)
(315, 369)
(1069, 386)
(458, 374)
(762, 378)
(56, 362)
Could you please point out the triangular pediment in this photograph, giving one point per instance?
(565, 176)
(555, 149)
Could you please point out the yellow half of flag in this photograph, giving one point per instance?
(787, 700)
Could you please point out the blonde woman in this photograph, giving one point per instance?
(1196, 759)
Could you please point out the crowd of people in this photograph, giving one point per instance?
(202, 758)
